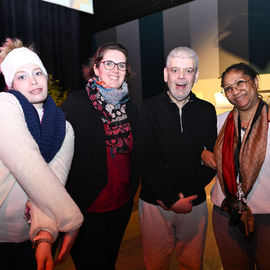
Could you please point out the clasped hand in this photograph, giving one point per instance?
(44, 255)
(208, 159)
(182, 206)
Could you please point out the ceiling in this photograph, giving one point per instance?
(109, 13)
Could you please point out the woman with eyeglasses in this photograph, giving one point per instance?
(102, 179)
(36, 149)
(241, 212)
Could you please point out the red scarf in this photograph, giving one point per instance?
(228, 168)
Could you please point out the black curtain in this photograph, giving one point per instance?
(55, 31)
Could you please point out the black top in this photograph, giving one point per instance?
(88, 174)
(169, 148)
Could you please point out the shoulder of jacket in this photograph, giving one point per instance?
(77, 94)
(131, 105)
(154, 100)
(222, 117)
(6, 96)
(74, 100)
(204, 103)
(69, 128)
(8, 101)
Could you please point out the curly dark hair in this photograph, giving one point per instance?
(245, 68)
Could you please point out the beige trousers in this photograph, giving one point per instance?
(165, 231)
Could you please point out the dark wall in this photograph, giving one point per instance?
(259, 38)
(64, 37)
(59, 34)
(152, 54)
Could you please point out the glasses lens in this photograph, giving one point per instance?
(227, 89)
(108, 65)
(122, 66)
(241, 84)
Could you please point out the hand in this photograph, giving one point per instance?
(162, 205)
(184, 204)
(208, 159)
(65, 246)
(43, 252)
(44, 256)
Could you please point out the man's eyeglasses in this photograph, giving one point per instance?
(109, 65)
(239, 85)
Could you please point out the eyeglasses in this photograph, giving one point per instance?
(109, 65)
(239, 85)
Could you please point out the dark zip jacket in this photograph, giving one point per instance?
(169, 146)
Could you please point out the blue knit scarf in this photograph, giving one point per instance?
(48, 134)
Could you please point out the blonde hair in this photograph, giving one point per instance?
(10, 44)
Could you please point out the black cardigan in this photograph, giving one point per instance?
(169, 159)
(88, 174)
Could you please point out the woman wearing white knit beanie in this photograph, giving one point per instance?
(36, 150)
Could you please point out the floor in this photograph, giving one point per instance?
(131, 256)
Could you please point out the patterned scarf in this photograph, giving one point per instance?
(48, 134)
(242, 159)
(111, 103)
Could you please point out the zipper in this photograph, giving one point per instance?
(181, 122)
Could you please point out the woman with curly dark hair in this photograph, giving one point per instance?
(241, 213)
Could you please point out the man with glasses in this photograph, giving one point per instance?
(173, 130)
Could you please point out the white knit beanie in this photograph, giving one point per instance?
(15, 59)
